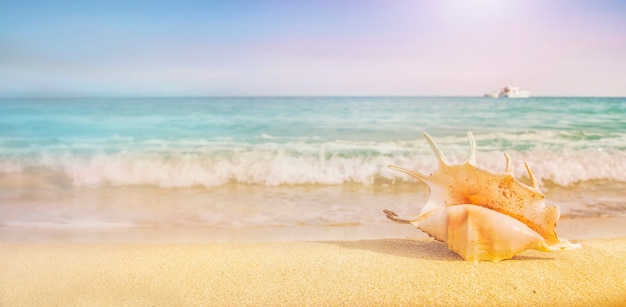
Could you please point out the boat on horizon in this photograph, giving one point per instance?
(509, 92)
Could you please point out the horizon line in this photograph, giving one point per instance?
(290, 96)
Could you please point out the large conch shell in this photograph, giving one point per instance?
(481, 215)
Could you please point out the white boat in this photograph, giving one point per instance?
(513, 92)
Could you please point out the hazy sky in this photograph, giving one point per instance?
(360, 47)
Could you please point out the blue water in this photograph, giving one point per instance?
(353, 119)
(234, 162)
(308, 140)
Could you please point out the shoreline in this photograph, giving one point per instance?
(570, 228)
(240, 206)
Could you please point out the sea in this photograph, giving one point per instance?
(223, 164)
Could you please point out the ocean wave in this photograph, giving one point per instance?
(188, 164)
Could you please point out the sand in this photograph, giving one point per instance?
(365, 272)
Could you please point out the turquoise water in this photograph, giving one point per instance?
(183, 142)
(285, 119)
(302, 150)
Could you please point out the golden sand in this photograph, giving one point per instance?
(353, 273)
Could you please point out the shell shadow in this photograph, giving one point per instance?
(421, 249)
(529, 257)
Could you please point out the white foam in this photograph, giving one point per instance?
(183, 163)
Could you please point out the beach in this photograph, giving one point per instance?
(279, 201)
(389, 271)
(283, 153)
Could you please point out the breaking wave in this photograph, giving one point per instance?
(170, 164)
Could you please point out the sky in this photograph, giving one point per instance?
(304, 48)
